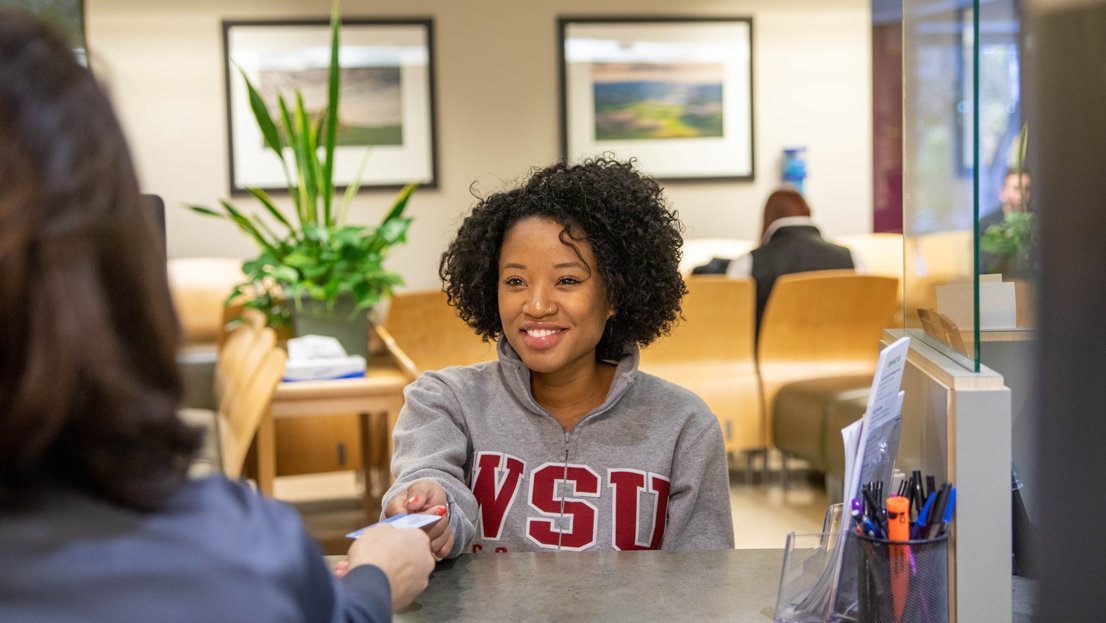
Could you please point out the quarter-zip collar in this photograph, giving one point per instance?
(517, 378)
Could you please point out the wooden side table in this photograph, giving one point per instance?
(377, 398)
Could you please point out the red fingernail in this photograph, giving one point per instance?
(441, 511)
(413, 500)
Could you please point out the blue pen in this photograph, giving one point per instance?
(862, 521)
(923, 517)
(948, 513)
(872, 529)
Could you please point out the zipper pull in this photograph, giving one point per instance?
(568, 437)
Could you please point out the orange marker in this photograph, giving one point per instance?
(898, 529)
(898, 519)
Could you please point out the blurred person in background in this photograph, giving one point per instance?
(1014, 196)
(1013, 199)
(789, 243)
(97, 519)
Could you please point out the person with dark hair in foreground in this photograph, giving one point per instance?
(790, 243)
(562, 444)
(97, 519)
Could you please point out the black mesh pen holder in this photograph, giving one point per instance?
(902, 582)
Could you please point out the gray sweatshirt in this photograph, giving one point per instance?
(644, 470)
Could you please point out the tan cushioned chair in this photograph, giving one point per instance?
(200, 286)
(711, 354)
(428, 330)
(822, 324)
(807, 421)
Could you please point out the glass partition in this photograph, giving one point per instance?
(968, 236)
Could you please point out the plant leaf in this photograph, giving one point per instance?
(256, 220)
(298, 260)
(207, 211)
(293, 140)
(401, 202)
(267, 201)
(353, 188)
(248, 228)
(264, 119)
(285, 274)
(312, 169)
(331, 112)
(320, 127)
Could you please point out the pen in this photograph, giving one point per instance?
(931, 485)
(948, 513)
(875, 507)
(918, 493)
(923, 516)
(857, 513)
(863, 526)
(937, 513)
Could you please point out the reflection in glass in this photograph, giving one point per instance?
(962, 108)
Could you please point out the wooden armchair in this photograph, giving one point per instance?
(822, 324)
(428, 330)
(251, 392)
(249, 368)
(200, 286)
(881, 255)
(711, 354)
(818, 347)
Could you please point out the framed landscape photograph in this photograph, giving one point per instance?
(676, 93)
(386, 100)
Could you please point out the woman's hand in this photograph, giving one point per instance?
(400, 553)
(427, 497)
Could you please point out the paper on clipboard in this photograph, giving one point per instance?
(870, 447)
(884, 408)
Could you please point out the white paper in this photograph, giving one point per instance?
(311, 347)
(886, 383)
(884, 404)
(988, 278)
(998, 306)
(883, 419)
(851, 436)
(325, 369)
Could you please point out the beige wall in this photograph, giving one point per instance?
(497, 91)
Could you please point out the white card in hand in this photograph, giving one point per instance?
(402, 520)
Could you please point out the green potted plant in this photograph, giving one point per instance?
(314, 271)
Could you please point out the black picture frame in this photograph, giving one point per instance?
(237, 186)
(567, 124)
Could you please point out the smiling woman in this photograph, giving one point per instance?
(571, 273)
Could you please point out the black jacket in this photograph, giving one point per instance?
(793, 249)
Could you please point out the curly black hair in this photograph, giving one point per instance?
(621, 213)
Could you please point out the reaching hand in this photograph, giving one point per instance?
(426, 497)
(401, 553)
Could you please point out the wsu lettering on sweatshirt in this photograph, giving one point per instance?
(644, 470)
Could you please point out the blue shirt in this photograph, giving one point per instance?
(215, 551)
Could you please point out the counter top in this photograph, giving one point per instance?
(721, 585)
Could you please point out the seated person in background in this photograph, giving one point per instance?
(1014, 198)
(789, 243)
(562, 444)
(97, 519)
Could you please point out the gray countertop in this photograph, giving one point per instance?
(724, 585)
